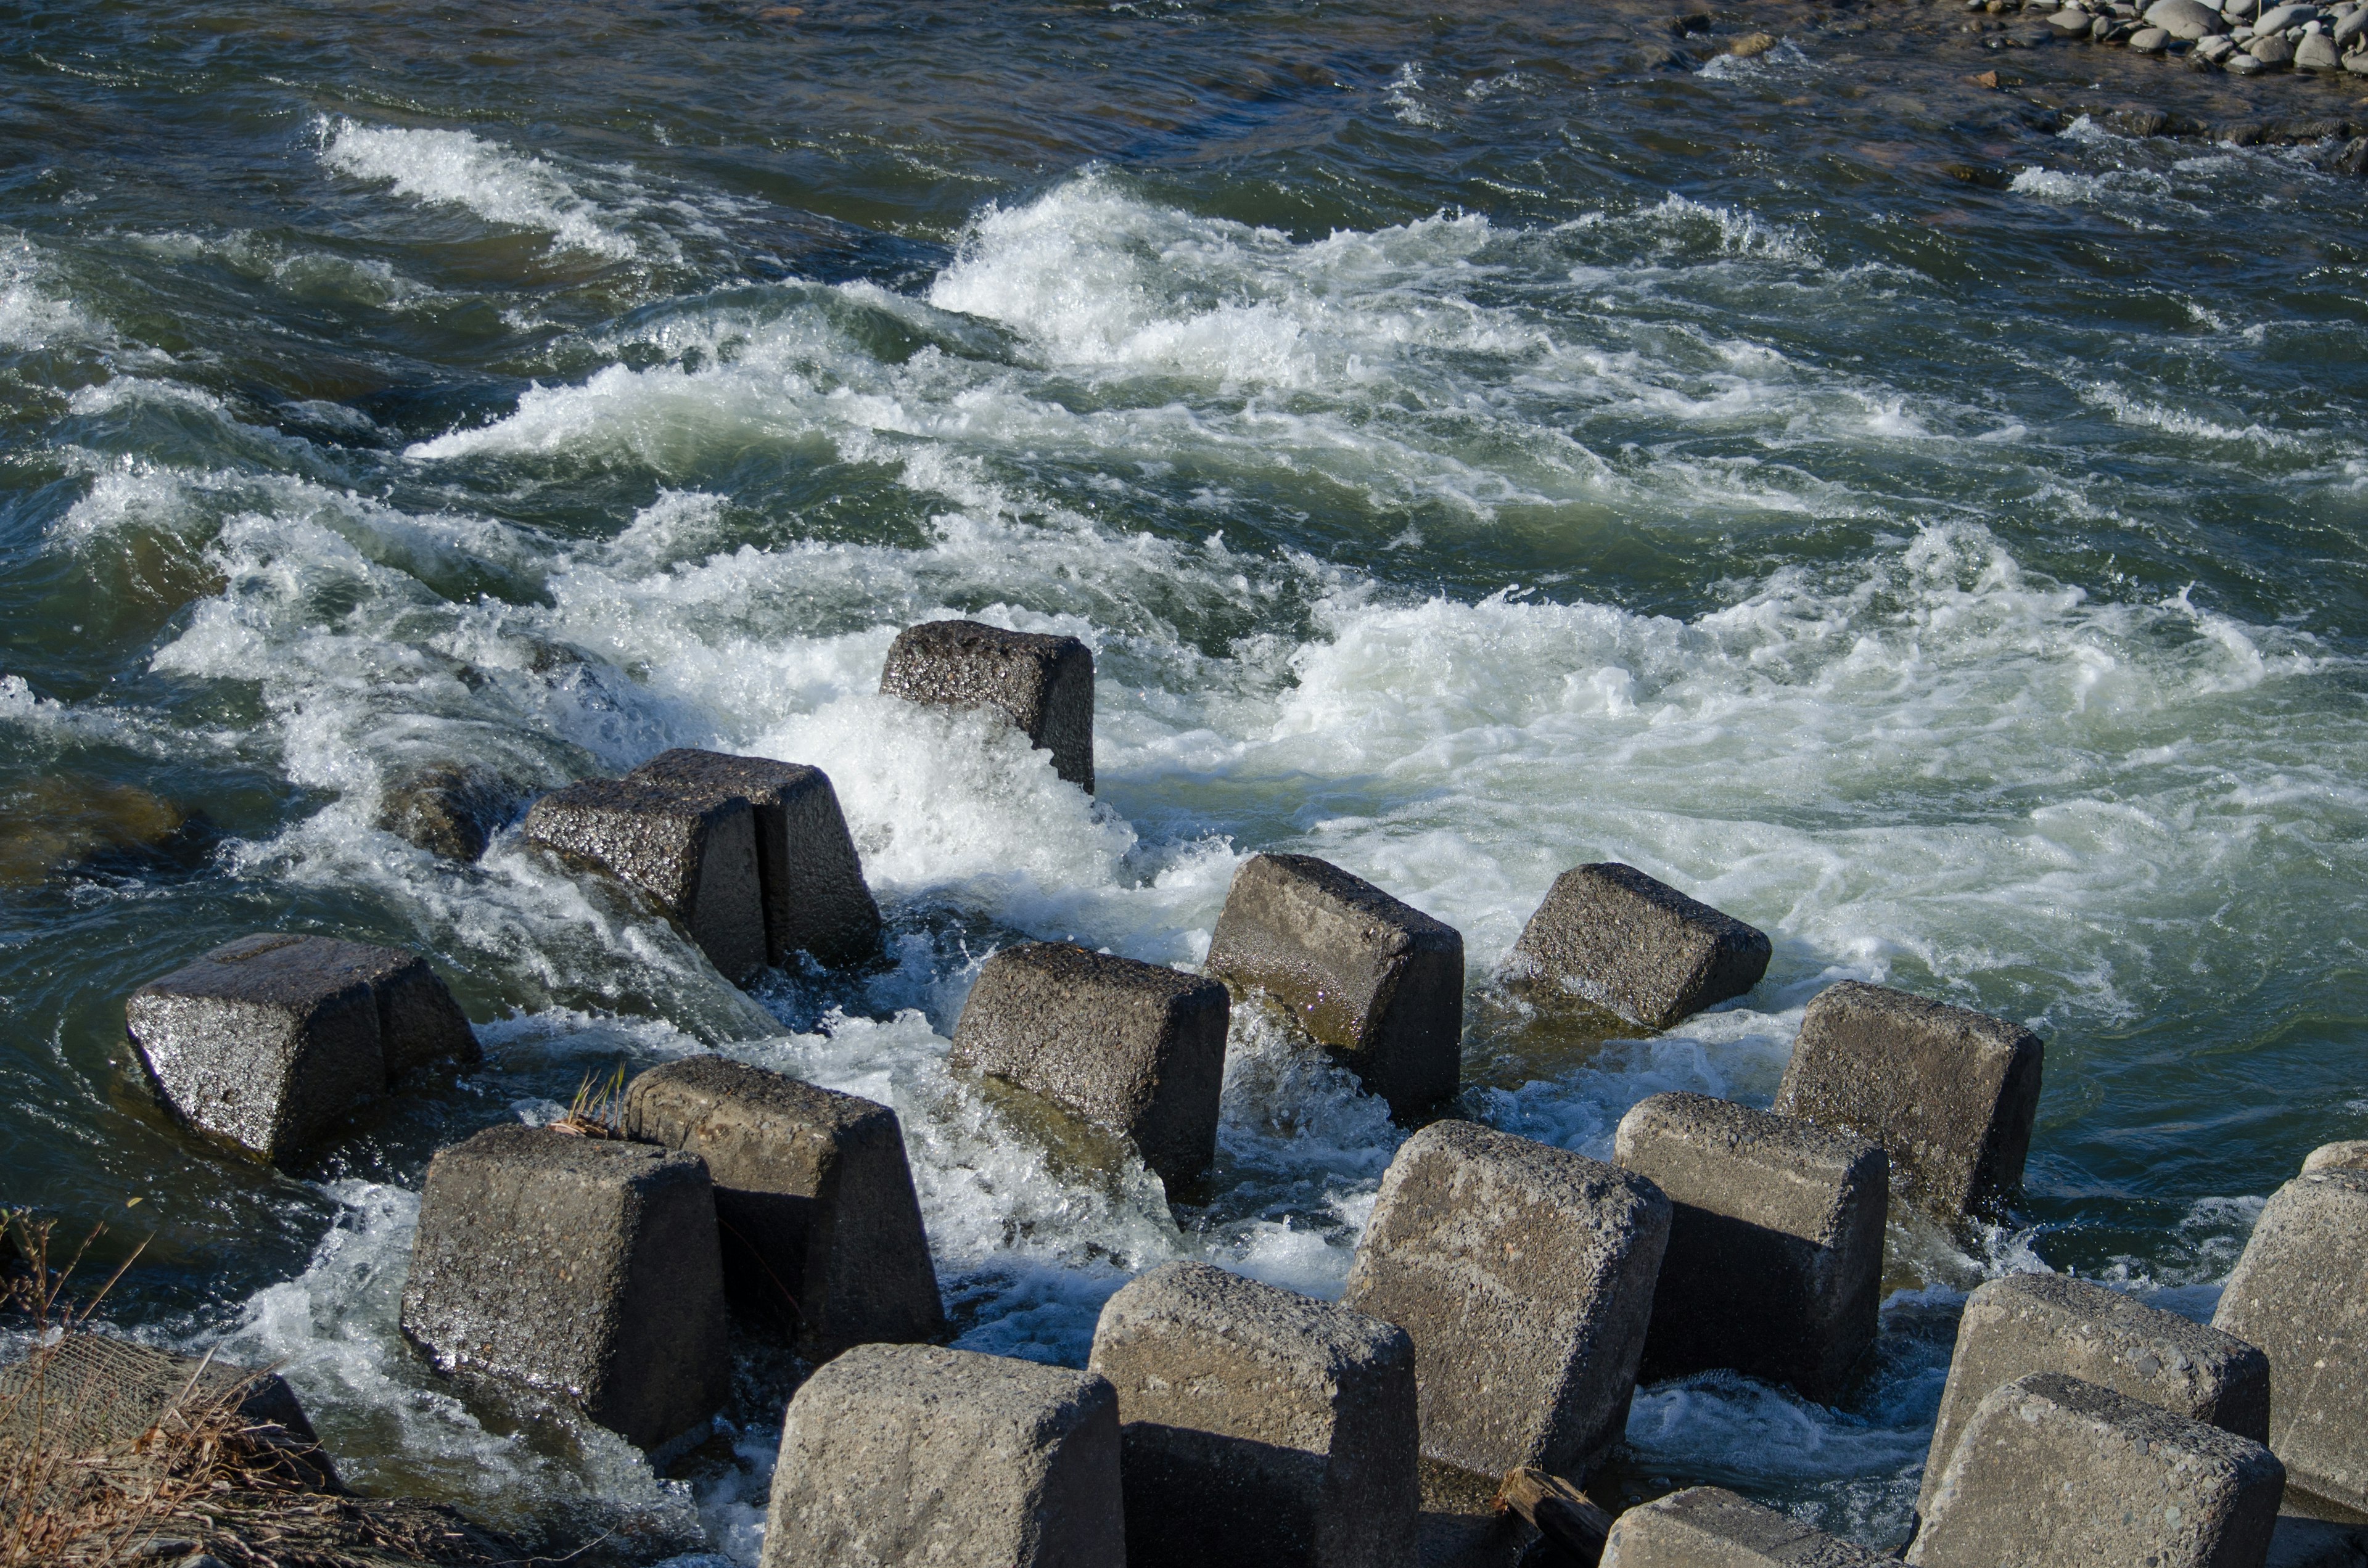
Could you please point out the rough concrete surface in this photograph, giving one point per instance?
(1044, 685)
(1708, 1526)
(696, 859)
(1635, 944)
(2349, 1155)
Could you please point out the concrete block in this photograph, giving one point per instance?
(1775, 1255)
(584, 1267)
(268, 1040)
(1134, 1046)
(696, 859)
(1524, 1275)
(907, 1454)
(2317, 1543)
(1377, 982)
(2350, 1155)
(90, 1394)
(1043, 684)
(1259, 1426)
(2301, 1293)
(808, 875)
(1708, 1526)
(1947, 1092)
(447, 809)
(820, 1232)
(2045, 1323)
(2052, 1470)
(1637, 946)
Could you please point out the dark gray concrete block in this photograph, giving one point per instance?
(820, 1232)
(696, 859)
(447, 809)
(268, 1040)
(1524, 1275)
(897, 1455)
(2301, 1293)
(1258, 1425)
(2317, 1543)
(1947, 1092)
(584, 1267)
(1043, 684)
(1637, 946)
(1377, 982)
(2045, 1323)
(1775, 1258)
(1708, 1526)
(811, 879)
(1134, 1047)
(2051, 1469)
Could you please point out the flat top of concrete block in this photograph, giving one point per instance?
(713, 775)
(542, 1153)
(2053, 1395)
(620, 797)
(1854, 1001)
(271, 967)
(2148, 1338)
(928, 1382)
(1558, 1176)
(2350, 1155)
(1324, 877)
(1318, 1339)
(953, 637)
(1708, 1526)
(1780, 1147)
(1628, 880)
(716, 1079)
(1068, 965)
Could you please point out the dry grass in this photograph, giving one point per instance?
(598, 1108)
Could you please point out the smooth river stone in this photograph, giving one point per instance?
(2271, 51)
(2317, 52)
(2185, 18)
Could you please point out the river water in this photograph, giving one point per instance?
(1471, 446)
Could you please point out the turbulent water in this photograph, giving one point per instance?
(1468, 452)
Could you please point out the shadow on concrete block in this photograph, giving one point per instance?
(696, 859)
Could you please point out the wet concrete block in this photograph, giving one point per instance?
(1044, 685)
(1637, 946)
(821, 1232)
(2070, 1472)
(447, 809)
(1708, 1526)
(2301, 1293)
(584, 1267)
(2046, 1322)
(697, 859)
(1258, 1424)
(895, 1455)
(1947, 1092)
(1775, 1257)
(808, 874)
(1524, 1275)
(268, 1040)
(1134, 1046)
(1377, 982)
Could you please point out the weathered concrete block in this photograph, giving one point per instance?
(1708, 1526)
(2317, 1543)
(1947, 1092)
(821, 1231)
(2055, 1470)
(1637, 946)
(807, 872)
(895, 1455)
(697, 859)
(2350, 1155)
(1135, 1047)
(2045, 1323)
(270, 1040)
(1259, 1426)
(1043, 683)
(2301, 1293)
(584, 1266)
(1378, 983)
(1524, 1275)
(1775, 1254)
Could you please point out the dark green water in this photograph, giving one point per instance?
(1468, 453)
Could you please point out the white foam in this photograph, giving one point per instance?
(35, 311)
(458, 168)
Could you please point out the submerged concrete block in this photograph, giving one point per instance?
(270, 1040)
(820, 1232)
(1775, 1254)
(1524, 1275)
(696, 858)
(1708, 1526)
(2301, 1293)
(2350, 1155)
(447, 809)
(2055, 1470)
(809, 877)
(90, 1394)
(1947, 1092)
(1637, 946)
(2045, 1323)
(1044, 685)
(584, 1267)
(895, 1455)
(1377, 982)
(1259, 1426)
(1134, 1046)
